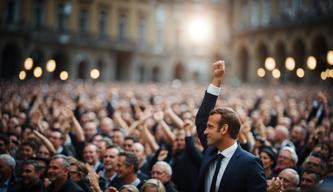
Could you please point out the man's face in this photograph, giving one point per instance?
(213, 132)
(308, 181)
(288, 180)
(110, 159)
(89, 130)
(117, 138)
(57, 171)
(139, 152)
(3, 147)
(5, 170)
(284, 160)
(159, 173)
(313, 163)
(90, 154)
(122, 169)
(180, 140)
(29, 174)
(27, 152)
(296, 134)
(55, 138)
(128, 145)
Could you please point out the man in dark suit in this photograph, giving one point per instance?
(226, 167)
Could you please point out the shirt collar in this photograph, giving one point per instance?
(228, 152)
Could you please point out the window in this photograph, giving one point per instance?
(142, 31)
(122, 26)
(39, 13)
(83, 21)
(265, 12)
(255, 13)
(12, 11)
(62, 19)
(103, 21)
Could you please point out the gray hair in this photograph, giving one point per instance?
(65, 161)
(166, 167)
(294, 173)
(294, 156)
(9, 160)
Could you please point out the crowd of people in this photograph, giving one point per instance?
(90, 136)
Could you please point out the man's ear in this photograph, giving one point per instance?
(224, 129)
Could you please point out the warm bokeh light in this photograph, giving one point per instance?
(323, 75)
(329, 57)
(290, 63)
(311, 62)
(270, 63)
(199, 29)
(64, 75)
(276, 73)
(330, 73)
(94, 73)
(261, 72)
(300, 73)
(22, 75)
(28, 63)
(38, 72)
(50, 65)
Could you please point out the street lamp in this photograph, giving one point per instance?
(290, 63)
(270, 63)
(311, 62)
(38, 72)
(22, 75)
(300, 73)
(50, 65)
(64, 75)
(261, 72)
(329, 57)
(28, 63)
(94, 73)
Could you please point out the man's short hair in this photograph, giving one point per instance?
(34, 163)
(292, 152)
(9, 160)
(130, 159)
(294, 173)
(229, 117)
(166, 167)
(65, 161)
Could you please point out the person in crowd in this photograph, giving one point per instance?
(316, 163)
(91, 156)
(152, 185)
(110, 159)
(58, 174)
(290, 179)
(163, 172)
(106, 125)
(143, 159)
(4, 143)
(118, 137)
(90, 130)
(309, 180)
(128, 188)
(218, 130)
(268, 158)
(287, 158)
(7, 172)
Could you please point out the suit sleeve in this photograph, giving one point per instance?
(256, 177)
(208, 104)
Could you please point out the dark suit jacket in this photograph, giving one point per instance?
(244, 172)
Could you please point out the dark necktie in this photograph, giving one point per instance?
(218, 159)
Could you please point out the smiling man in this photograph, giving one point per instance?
(225, 166)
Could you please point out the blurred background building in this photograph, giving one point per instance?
(277, 41)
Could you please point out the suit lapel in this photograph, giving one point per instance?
(231, 167)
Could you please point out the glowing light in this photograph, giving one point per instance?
(290, 63)
(276, 73)
(199, 29)
(50, 65)
(270, 63)
(261, 72)
(28, 63)
(311, 62)
(300, 73)
(64, 75)
(38, 72)
(94, 73)
(330, 73)
(22, 75)
(323, 75)
(329, 57)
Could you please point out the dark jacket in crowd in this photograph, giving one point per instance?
(68, 186)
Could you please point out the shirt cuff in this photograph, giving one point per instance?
(212, 89)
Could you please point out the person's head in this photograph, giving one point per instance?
(91, 154)
(4, 142)
(324, 149)
(139, 151)
(287, 158)
(110, 158)
(128, 144)
(290, 178)
(281, 133)
(128, 188)
(58, 169)
(102, 143)
(315, 162)
(78, 170)
(179, 140)
(118, 137)
(56, 137)
(152, 185)
(28, 149)
(127, 165)
(30, 172)
(268, 157)
(309, 180)
(161, 171)
(90, 130)
(297, 134)
(7, 166)
(106, 125)
(223, 124)
(43, 152)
